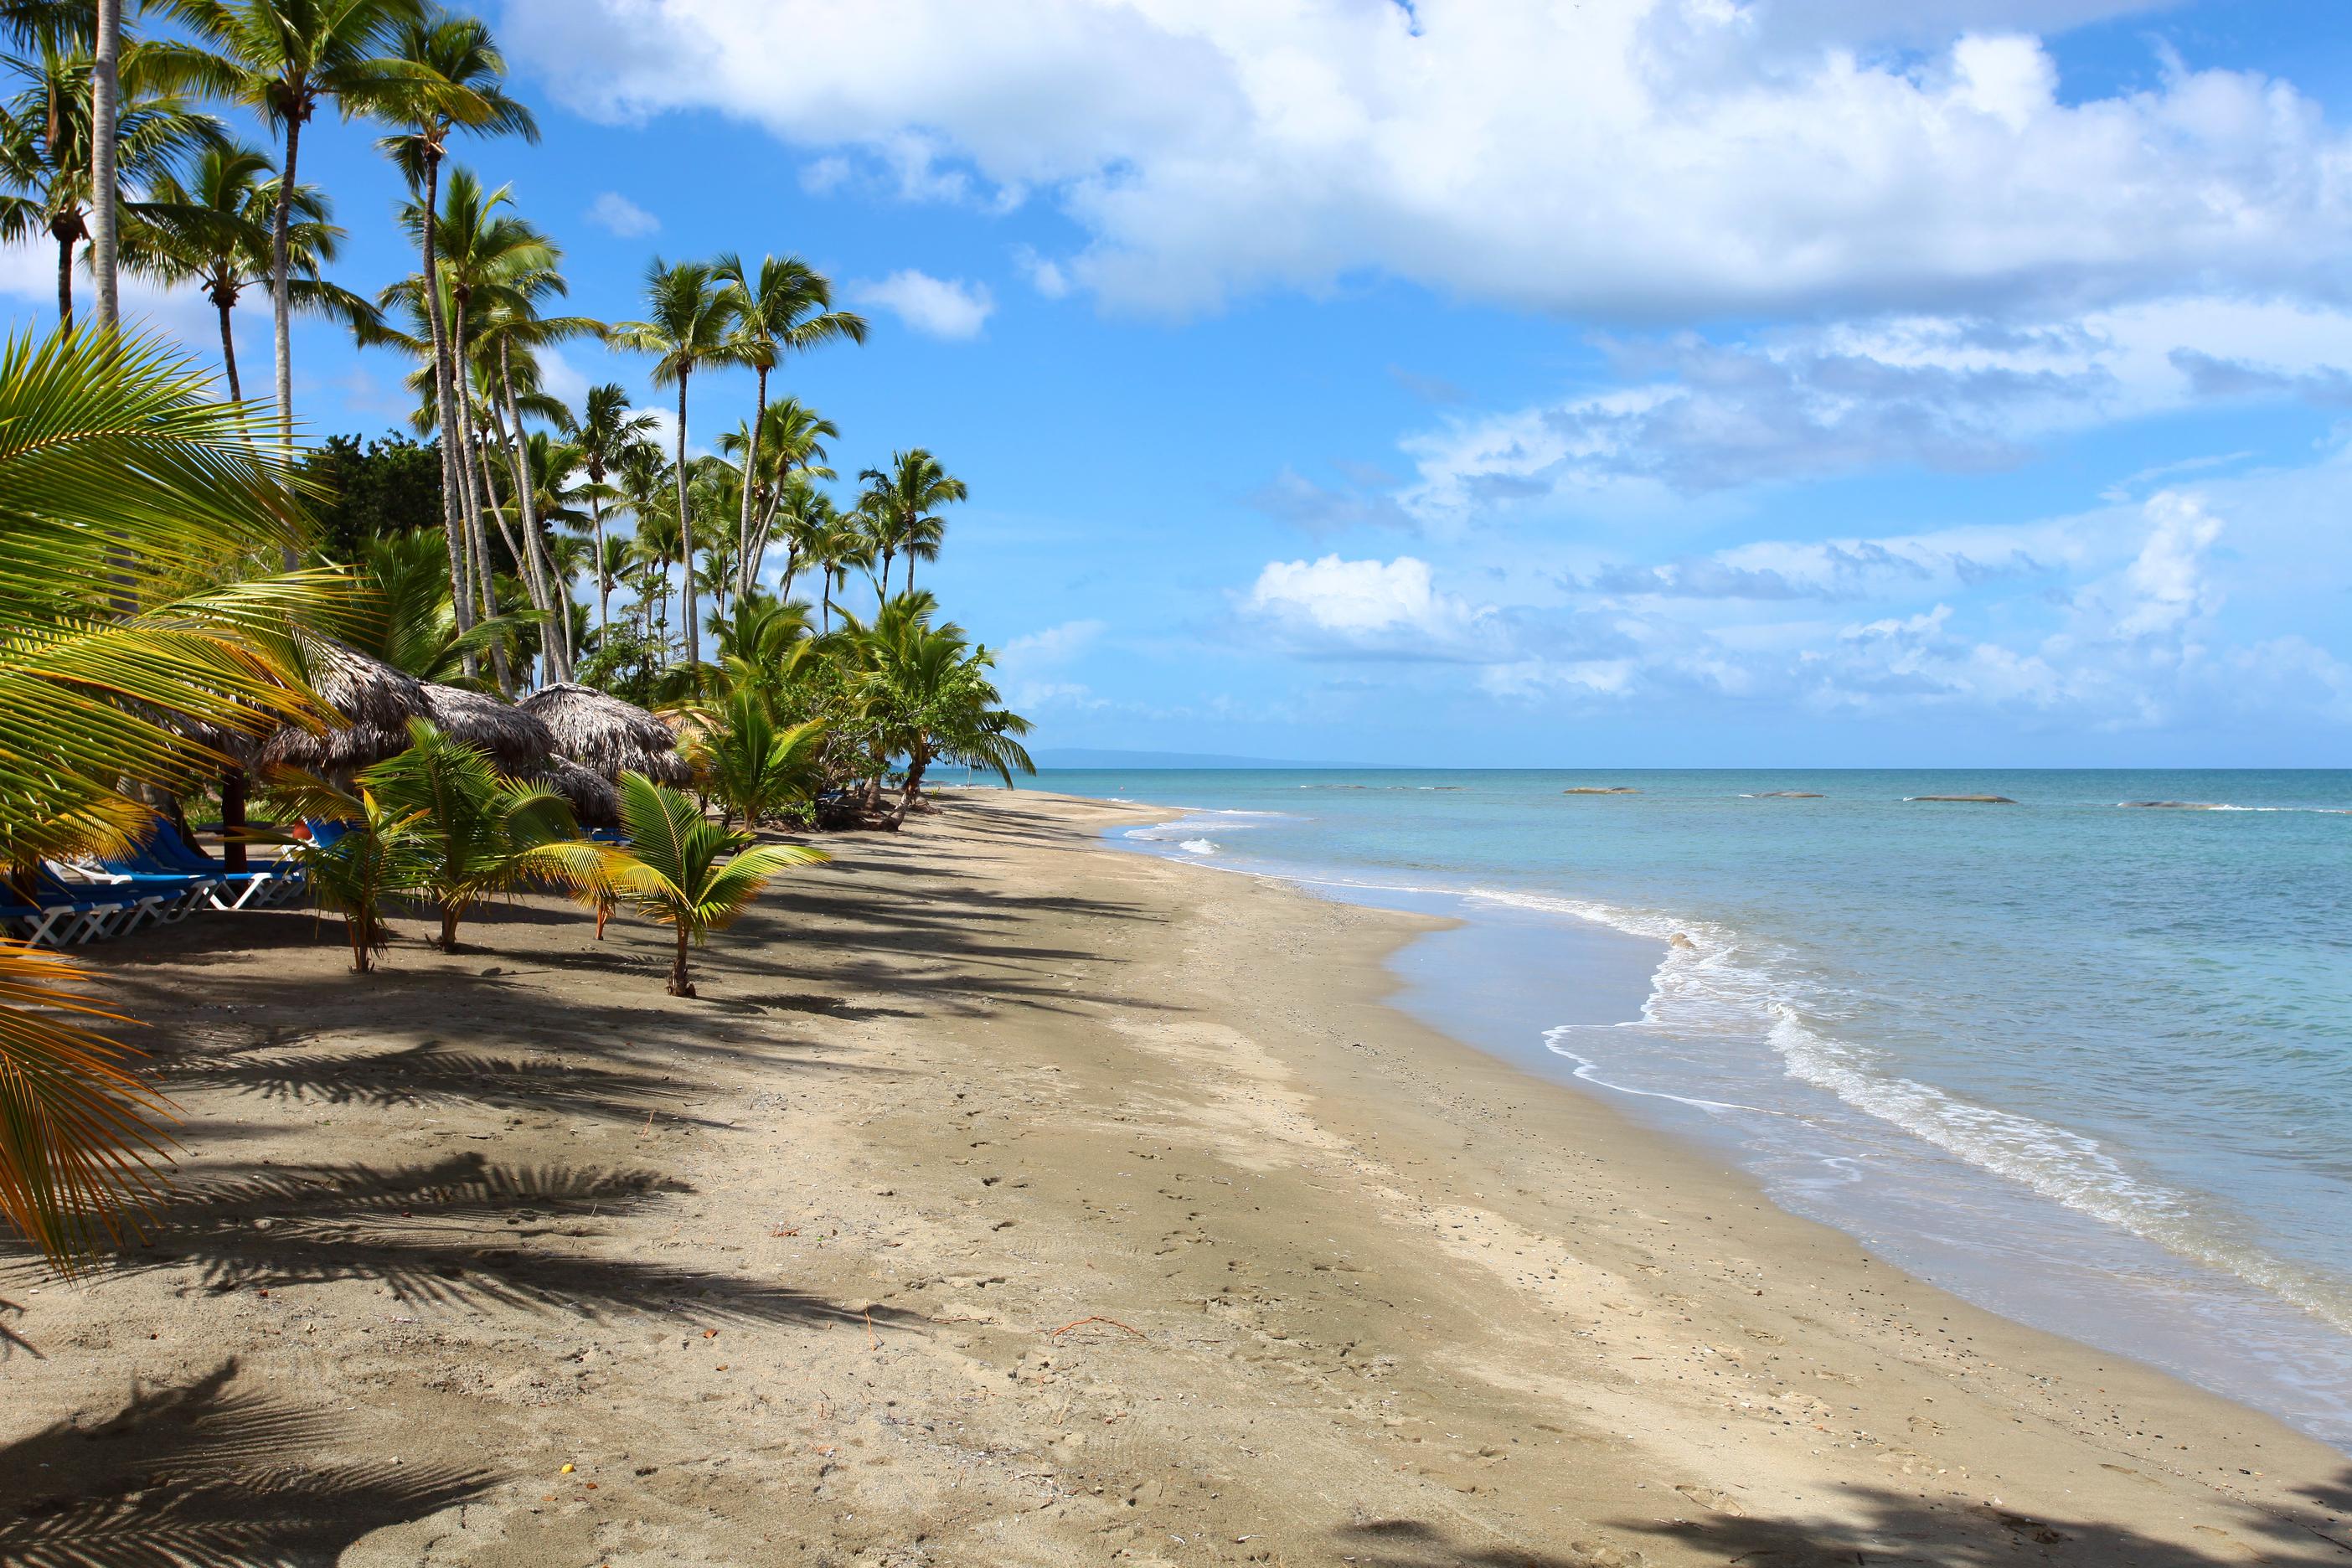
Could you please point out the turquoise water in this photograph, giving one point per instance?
(2090, 1065)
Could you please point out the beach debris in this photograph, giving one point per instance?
(1966, 799)
(1082, 1322)
(566, 1470)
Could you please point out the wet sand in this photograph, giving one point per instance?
(1004, 1198)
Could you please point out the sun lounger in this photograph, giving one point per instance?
(67, 916)
(170, 851)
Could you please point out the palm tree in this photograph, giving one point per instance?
(807, 515)
(683, 870)
(689, 316)
(791, 450)
(283, 59)
(213, 229)
(786, 308)
(379, 853)
(927, 694)
(904, 502)
(754, 765)
(45, 141)
(115, 474)
(452, 83)
(412, 624)
(105, 184)
(606, 428)
(483, 835)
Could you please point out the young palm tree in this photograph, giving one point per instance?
(452, 83)
(483, 835)
(110, 454)
(690, 317)
(211, 230)
(413, 622)
(46, 142)
(379, 853)
(681, 870)
(927, 694)
(606, 428)
(786, 307)
(283, 59)
(756, 767)
(904, 502)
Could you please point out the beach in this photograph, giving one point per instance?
(1006, 1198)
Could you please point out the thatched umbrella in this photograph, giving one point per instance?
(607, 735)
(376, 701)
(516, 739)
(594, 802)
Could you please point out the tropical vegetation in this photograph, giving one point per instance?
(202, 607)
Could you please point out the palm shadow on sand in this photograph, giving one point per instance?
(203, 1472)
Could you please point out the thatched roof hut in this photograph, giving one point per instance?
(516, 741)
(605, 734)
(377, 702)
(594, 802)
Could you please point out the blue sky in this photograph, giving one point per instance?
(1641, 382)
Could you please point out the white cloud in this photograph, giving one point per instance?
(937, 307)
(2116, 619)
(617, 214)
(1641, 158)
(1045, 276)
(1381, 607)
(1950, 394)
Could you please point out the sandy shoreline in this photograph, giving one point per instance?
(1009, 1199)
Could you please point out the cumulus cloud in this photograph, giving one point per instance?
(936, 307)
(617, 214)
(1634, 158)
(1377, 609)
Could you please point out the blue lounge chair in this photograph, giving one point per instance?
(262, 886)
(181, 891)
(66, 916)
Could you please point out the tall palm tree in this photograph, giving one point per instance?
(211, 230)
(786, 307)
(905, 500)
(452, 83)
(607, 428)
(283, 59)
(791, 447)
(45, 137)
(689, 320)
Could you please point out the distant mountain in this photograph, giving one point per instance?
(1096, 760)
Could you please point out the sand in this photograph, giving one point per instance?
(1007, 1199)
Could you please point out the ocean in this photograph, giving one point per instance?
(2088, 1063)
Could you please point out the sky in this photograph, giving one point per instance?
(1496, 383)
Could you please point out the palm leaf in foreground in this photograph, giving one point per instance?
(130, 506)
(77, 1139)
(683, 870)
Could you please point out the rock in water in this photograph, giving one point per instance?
(1968, 799)
(1602, 789)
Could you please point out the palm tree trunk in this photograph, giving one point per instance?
(452, 511)
(65, 281)
(746, 568)
(229, 355)
(555, 657)
(281, 300)
(603, 584)
(485, 584)
(916, 764)
(679, 984)
(104, 94)
(449, 918)
(686, 539)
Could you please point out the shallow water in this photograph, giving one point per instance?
(2086, 1063)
